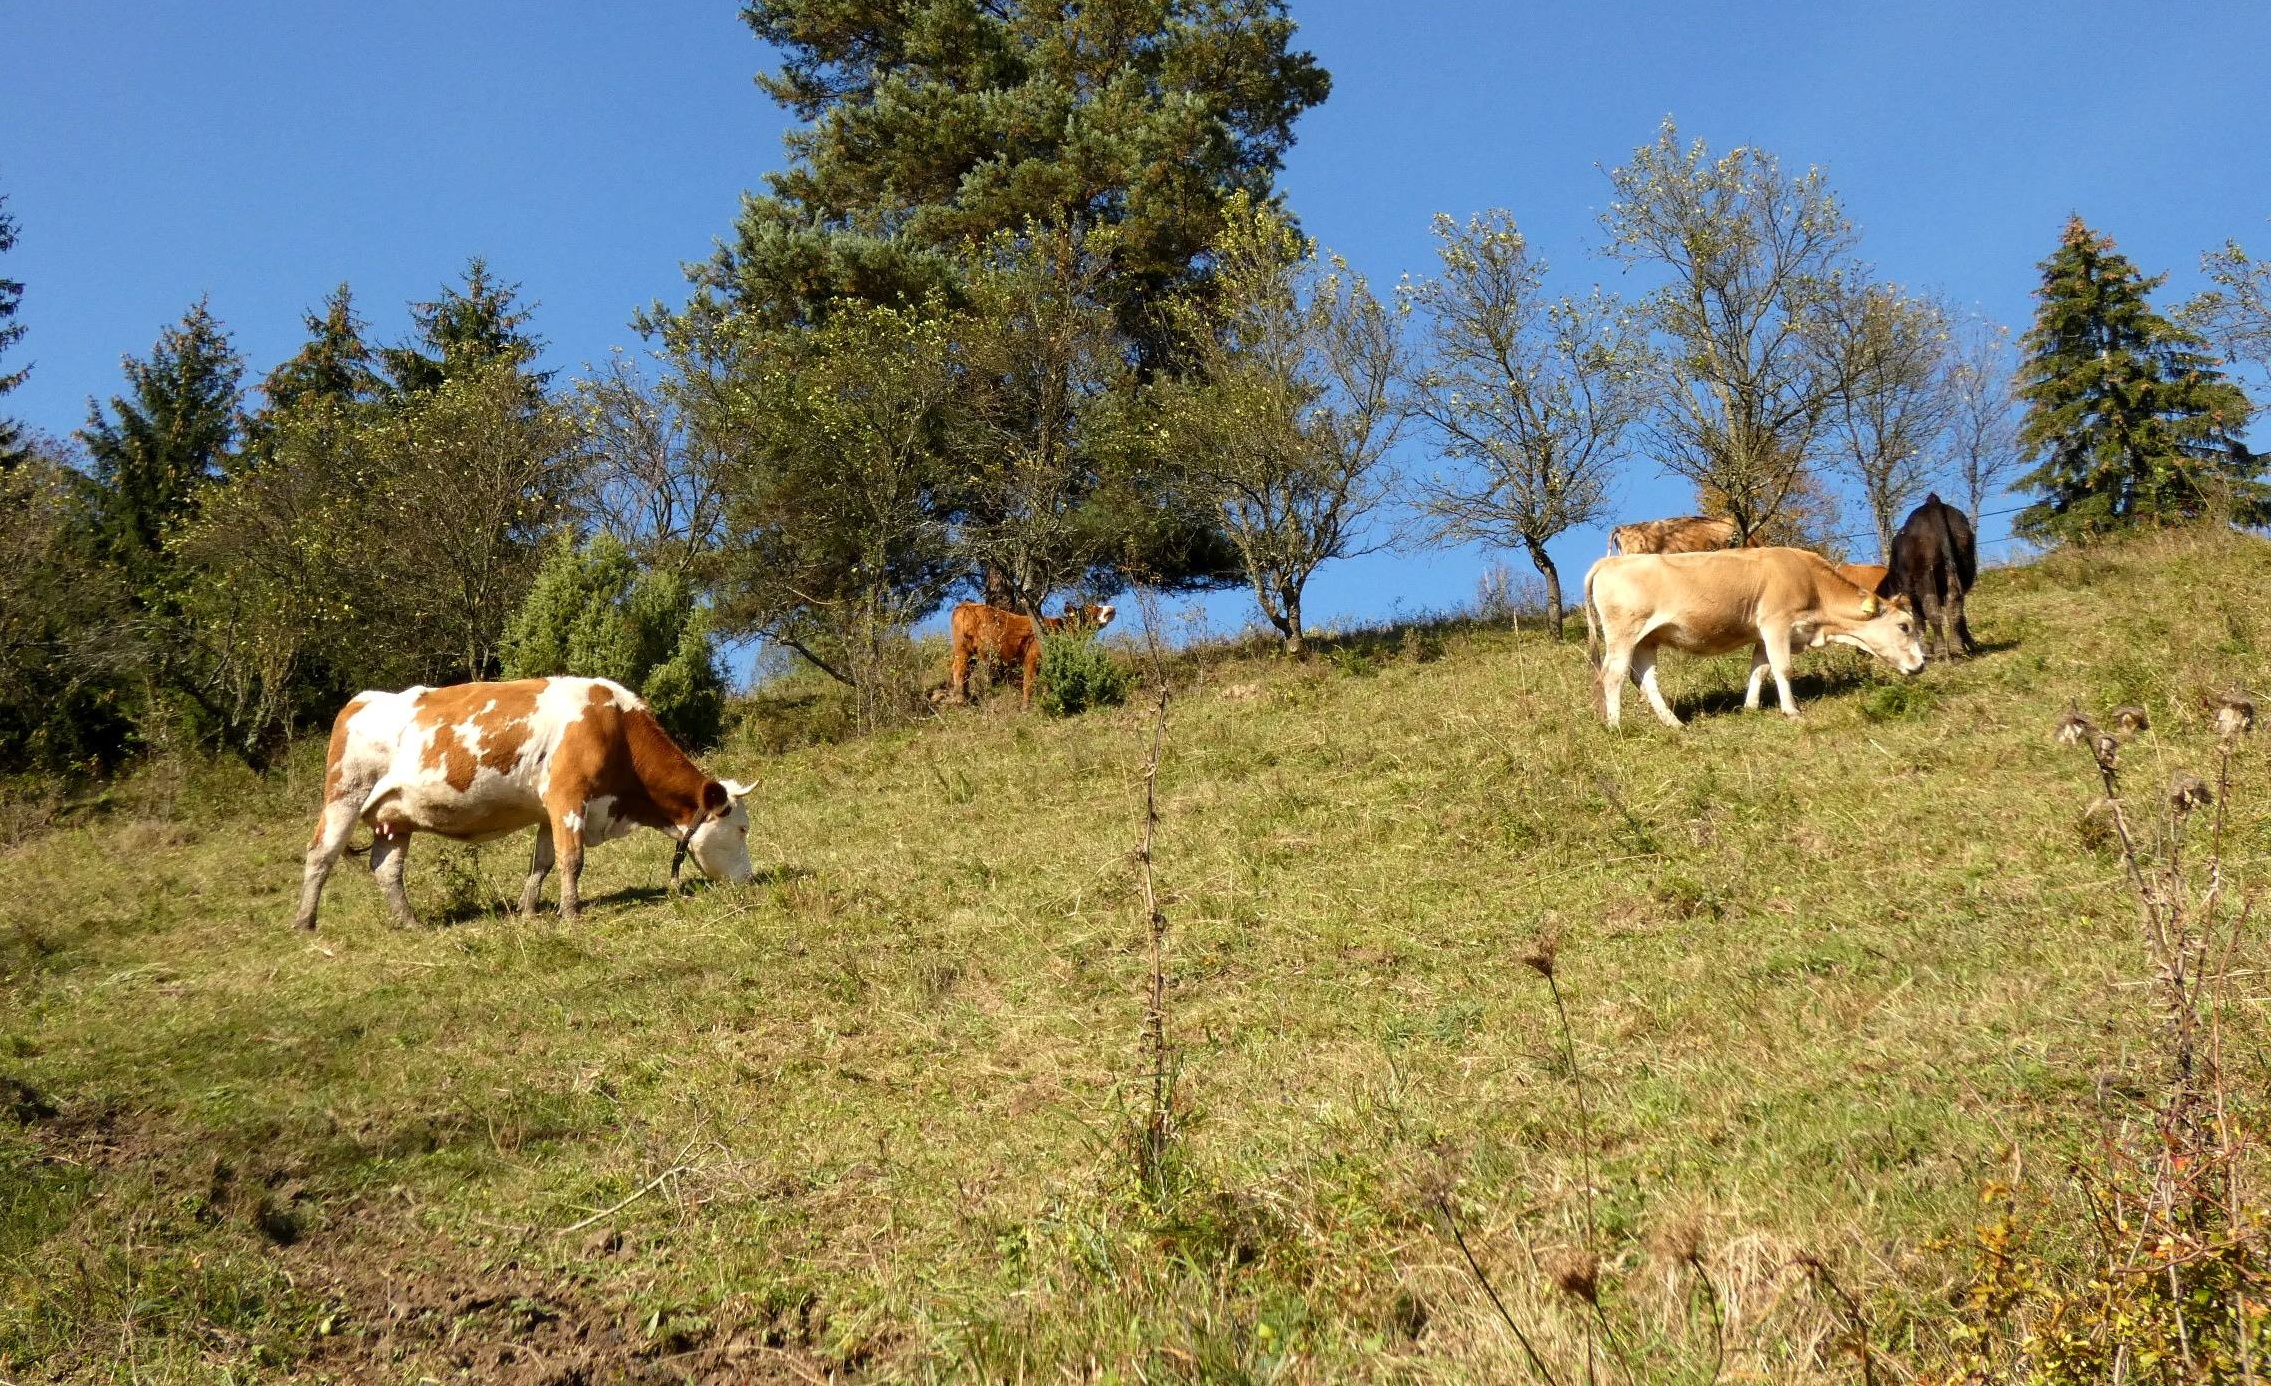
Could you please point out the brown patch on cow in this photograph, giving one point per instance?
(500, 712)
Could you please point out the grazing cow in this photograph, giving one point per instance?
(1935, 560)
(1775, 600)
(1869, 577)
(580, 760)
(1004, 638)
(1687, 534)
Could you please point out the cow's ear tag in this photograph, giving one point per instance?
(1869, 605)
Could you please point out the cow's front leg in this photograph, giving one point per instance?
(1615, 663)
(539, 866)
(1778, 659)
(390, 854)
(568, 848)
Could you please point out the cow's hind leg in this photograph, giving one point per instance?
(568, 847)
(1644, 674)
(331, 832)
(390, 854)
(1615, 663)
(539, 866)
(1778, 660)
(1952, 608)
(1760, 667)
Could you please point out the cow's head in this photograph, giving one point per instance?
(719, 843)
(1888, 630)
(1098, 615)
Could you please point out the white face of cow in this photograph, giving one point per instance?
(1103, 614)
(720, 845)
(1892, 634)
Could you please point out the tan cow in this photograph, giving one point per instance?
(1001, 637)
(581, 760)
(1869, 577)
(1774, 600)
(1686, 534)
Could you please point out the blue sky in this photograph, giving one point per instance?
(260, 152)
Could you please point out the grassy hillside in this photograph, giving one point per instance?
(875, 1115)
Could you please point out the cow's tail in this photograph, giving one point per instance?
(1593, 644)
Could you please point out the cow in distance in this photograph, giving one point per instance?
(583, 761)
(1935, 561)
(1685, 534)
(1774, 600)
(1005, 638)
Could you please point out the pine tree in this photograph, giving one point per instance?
(14, 447)
(933, 124)
(2132, 420)
(159, 445)
(336, 365)
(465, 331)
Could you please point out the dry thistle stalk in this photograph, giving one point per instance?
(1541, 954)
(2234, 713)
(2073, 729)
(1577, 1274)
(2130, 720)
(2189, 792)
(1678, 1243)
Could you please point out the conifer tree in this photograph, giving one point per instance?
(934, 124)
(336, 364)
(2131, 418)
(463, 332)
(158, 446)
(13, 445)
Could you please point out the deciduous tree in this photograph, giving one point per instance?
(1752, 257)
(1886, 425)
(1291, 409)
(1529, 398)
(14, 445)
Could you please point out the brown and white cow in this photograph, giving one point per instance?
(1685, 534)
(1004, 638)
(580, 760)
(1774, 600)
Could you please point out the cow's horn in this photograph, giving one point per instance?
(736, 788)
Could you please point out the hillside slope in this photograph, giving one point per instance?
(875, 1114)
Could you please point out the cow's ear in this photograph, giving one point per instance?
(715, 800)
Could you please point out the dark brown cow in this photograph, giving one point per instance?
(581, 760)
(1004, 638)
(1686, 534)
(1935, 560)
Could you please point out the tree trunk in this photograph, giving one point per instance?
(1552, 575)
(1292, 600)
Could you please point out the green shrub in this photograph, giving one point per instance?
(594, 614)
(1077, 674)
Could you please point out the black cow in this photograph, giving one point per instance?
(1935, 559)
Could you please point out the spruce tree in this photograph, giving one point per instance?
(158, 446)
(2131, 418)
(464, 331)
(14, 447)
(336, 365)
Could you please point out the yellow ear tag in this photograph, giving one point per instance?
(1869, 605)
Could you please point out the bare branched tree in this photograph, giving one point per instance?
(647, 478)
(1888, 422)
(2235, 315)
(1752, 258)
(1530, 398)
(1983, 425)
(1293, 407)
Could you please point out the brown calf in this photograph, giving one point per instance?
(1686, 534)
(1004, 638)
